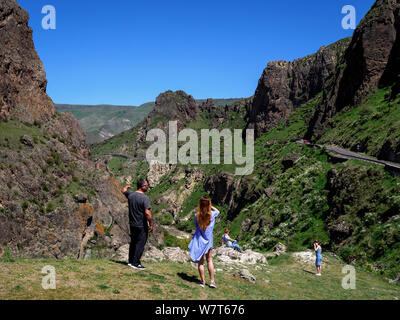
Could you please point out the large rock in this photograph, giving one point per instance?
(280, 248)
(176, 255)
(152, 254)
(290, 160)
(304, 256)
(230, 256)
(156, 171)
(246, 275)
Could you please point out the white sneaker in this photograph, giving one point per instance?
(202, 285)
(318, 274)
(212, 285)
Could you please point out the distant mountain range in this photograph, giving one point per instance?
(101, 122)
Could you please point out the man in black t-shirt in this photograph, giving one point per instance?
(140, 221)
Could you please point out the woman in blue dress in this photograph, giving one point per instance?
(202, 242)
(318, 257)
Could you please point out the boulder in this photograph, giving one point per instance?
(246, 275)
(156, 171)
(153, 254)
(304, 256)
(231, 256)
(280, 248)
(176, 255)
(122, 253)
(27, 140)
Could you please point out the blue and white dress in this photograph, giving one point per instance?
(318, 258)
(202, 240)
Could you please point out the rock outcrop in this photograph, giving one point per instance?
(371, 60)
(225, 188)
(152, 254)
(284, 86)
(45, 163)
(169, 106)
(156, 171)
(246, 275)
(22, 77)
(230, 256)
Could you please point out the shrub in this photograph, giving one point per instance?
(346, 254)
(25, 205)
(50, 161)
(7, 256)
(166, 219)
(50, 207)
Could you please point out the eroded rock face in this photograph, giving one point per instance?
(284, 86)
(170, 106)
(225, 188)
(47, 164)
(156, 171)
(22, 76)
(371, 60)
(175, 199)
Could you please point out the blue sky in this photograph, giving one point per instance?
(126, 52)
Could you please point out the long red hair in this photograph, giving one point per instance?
(204, 213)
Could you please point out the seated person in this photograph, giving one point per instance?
(231, 243)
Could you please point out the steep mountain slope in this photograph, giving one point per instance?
(54, 201)
(23, 80)
(105, 121)
(370, 62)
(284, 86)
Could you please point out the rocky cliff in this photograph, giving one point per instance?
(284, 86)
(169, 106)
(54, 201)
(22, 77)
(370, 61)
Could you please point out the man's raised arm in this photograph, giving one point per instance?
(126, 189)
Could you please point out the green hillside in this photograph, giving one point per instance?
(101, 122)
(104, 121)
(284, 278)
(351, 206)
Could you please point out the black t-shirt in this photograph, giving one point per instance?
(138, 204)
